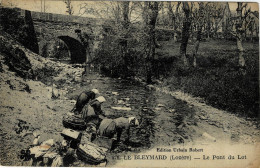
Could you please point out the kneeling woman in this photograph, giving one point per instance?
(110, 127)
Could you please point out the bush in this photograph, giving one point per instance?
(109, 55)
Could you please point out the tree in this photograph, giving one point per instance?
(240, 27)
(174, 17)
(239, 32)
(116, 32)
(150, 16)
(86, 41)
(171, 14)
(217, 16)
(200, 23)
(69, 7)
(226, 20)
(125, 26)
(250, 23)
(185, 32)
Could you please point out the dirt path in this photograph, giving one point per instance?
(221, 124)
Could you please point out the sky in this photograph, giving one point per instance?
(59, 7)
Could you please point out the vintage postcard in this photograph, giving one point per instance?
(129, 84)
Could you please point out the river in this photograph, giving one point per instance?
(161, 116)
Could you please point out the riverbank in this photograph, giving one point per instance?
(168, 121)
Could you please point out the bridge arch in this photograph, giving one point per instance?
(76, 49)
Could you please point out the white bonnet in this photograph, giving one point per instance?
(101, 99)
(95, 91)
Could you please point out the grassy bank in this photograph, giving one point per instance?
(217, 78)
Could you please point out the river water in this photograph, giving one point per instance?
(162, 118)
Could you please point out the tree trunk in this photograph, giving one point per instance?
(124, 41)
(172, 19)
(251, 35)
(171, 14)
(216, 30)
(252, 31)
(85, 40)
(175, 21)
(185, 33)
(196, 48)
(241, 60)
(226, 20)
(198, 39)
(208, 27)
(152, 16)
(145, 13)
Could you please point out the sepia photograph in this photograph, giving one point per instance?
(129, 83)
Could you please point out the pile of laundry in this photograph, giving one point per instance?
(51, 152)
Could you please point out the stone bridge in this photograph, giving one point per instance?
(68, 33)
(70, 29)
